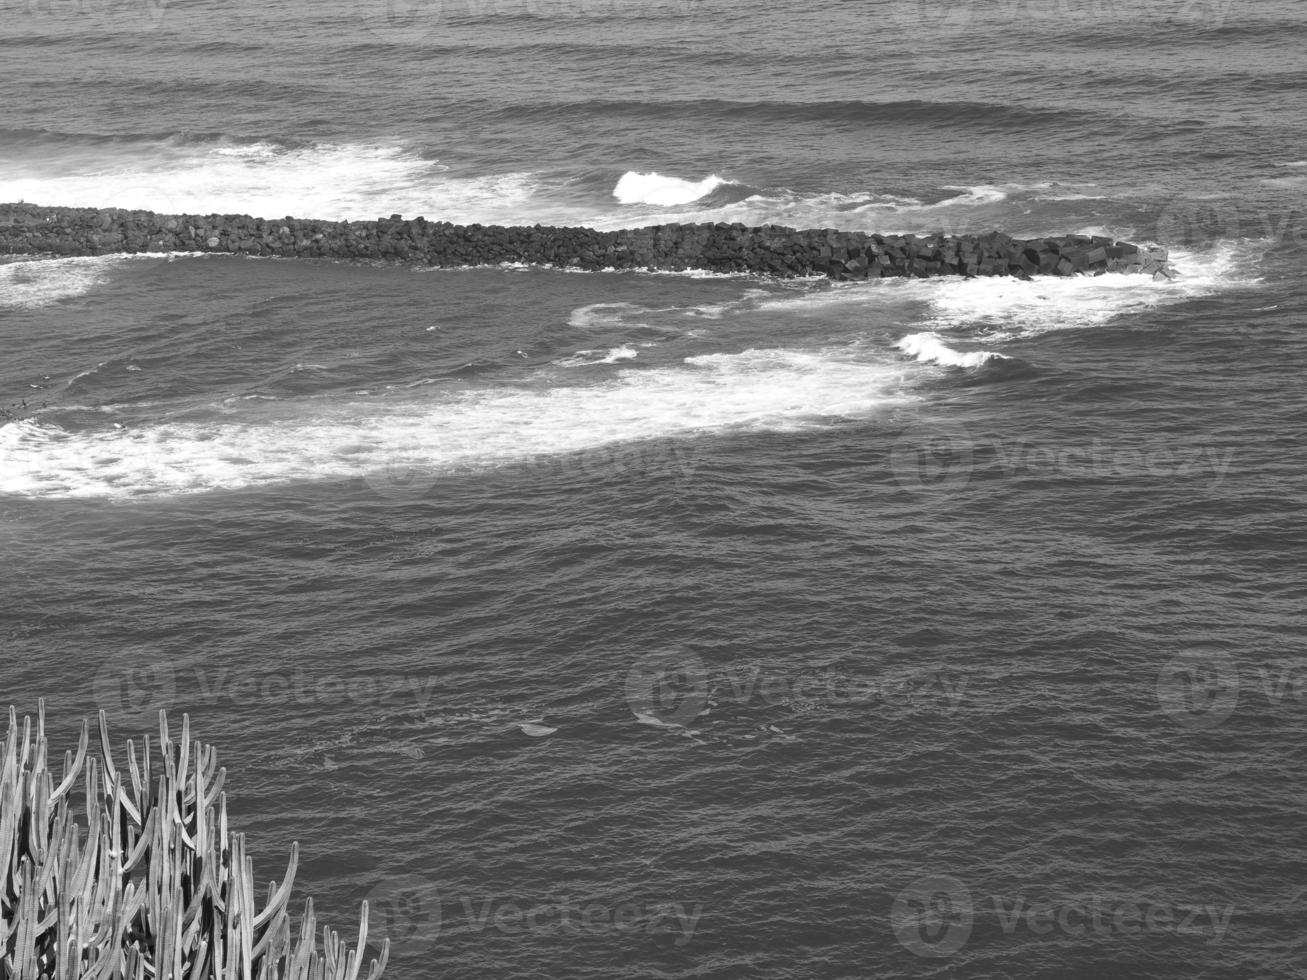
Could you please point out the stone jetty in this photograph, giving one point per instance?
(772, 250)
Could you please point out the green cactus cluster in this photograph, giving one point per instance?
(145, 882)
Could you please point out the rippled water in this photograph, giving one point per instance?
(639, 625)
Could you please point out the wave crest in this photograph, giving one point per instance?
(929, 348)
(654, 188)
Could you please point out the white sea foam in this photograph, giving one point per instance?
(609, 356)
(432, 431)
(1004, 307)
(599, 315)
(654, 188)
(999, 308)
(31, 284)
(648, 718)
(535, 729)
(346, 181)
(930, 348)
(362, 181)
(978, 193)
(971, 207)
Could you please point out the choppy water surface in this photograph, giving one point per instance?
(627, 624)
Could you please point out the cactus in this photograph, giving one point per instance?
(153, 884)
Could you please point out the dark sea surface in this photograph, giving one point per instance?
(659, 625)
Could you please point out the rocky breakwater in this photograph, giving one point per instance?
(772, 250)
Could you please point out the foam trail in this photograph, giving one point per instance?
(430, 431)
(878, 211)
(603, 315)
(535, 729)
(654, 188)
(611, 356)
(330, 181)
(977, 194)
(1003, 307)
(929, 348)
(29, 285)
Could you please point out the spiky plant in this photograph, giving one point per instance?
(152, 885)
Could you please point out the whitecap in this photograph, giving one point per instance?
(930, 348)
(1005, 306)
(654, 188)
(611, 355)
(32, 284)
(346, 181)
(413, 437)
(602, 315)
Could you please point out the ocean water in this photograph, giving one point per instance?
(652, 625)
